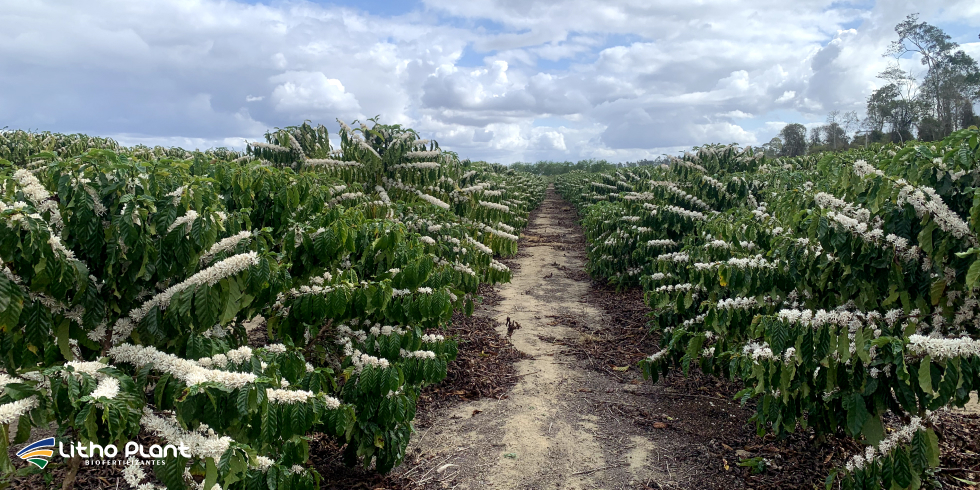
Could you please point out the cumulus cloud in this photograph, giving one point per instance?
(504, 80)
(311, 95)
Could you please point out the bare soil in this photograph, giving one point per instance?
(580, 415)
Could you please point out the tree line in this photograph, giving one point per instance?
(548, 167)
(905, 108)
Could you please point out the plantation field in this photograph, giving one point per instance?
(840, 289)
(723, 321)
(133, 279)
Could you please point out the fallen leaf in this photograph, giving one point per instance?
(727, 468)
(617, 368)
(726, 446)
(476, 412)
(659, 425)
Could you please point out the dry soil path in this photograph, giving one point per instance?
(553, 429)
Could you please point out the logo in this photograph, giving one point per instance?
(35, 453)
(95, 454)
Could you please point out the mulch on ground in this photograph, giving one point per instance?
(717, 431)
(484, 368)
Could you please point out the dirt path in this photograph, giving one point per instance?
(574, 421)
(553, 429)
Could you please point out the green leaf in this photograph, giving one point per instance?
(925, 375)
(873, 431)
(919, 452)
(11, 303)
(171, 472)
(63, 345)
(932, 441)
(937, 290)
(210, 473)
(925, 237)
(207, 306)
(37, 324)
(973, 274)
(902, 468)
(857, 412)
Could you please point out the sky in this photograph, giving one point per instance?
(495, 80)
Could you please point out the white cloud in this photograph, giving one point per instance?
(554, 79)
(311, 95)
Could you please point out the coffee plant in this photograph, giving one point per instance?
(841, 289)
(133, 279)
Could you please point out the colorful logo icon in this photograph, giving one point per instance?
(35, 453)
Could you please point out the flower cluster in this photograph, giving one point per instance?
(887, 445)
(188, 371)
(203, 443)
(658, 355)
(677, 191)
(361, 360)
(292, 397)
(862, 168)
(187, 219)
(684, 163)
(661, 243)
(758, 351)
(670, 288)
(329, 162)
(941, 349)
(35, 192)
(12, 411)
(754, 262)
(479, 246)
(419, 354)
(134, 475)
(364, 145)
(493, 205)
(225, 245)
(416, 166)
(716, 184)
(433, 200)
(211, 276)
(684, 213)
(423, 154)
(498, 266)
(818, 318)
(926, 201)
(673, 257)
(737, 303)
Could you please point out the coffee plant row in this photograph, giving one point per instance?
(842, 289)
(133, 278)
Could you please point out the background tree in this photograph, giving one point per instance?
(794, 140)
(952, 80)
(814, 138)
(773, 147)
(834, 134)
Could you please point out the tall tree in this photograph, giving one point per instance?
(833, 132)
(881, 102)
(773, 147)
(794, 140)
(952, 79)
